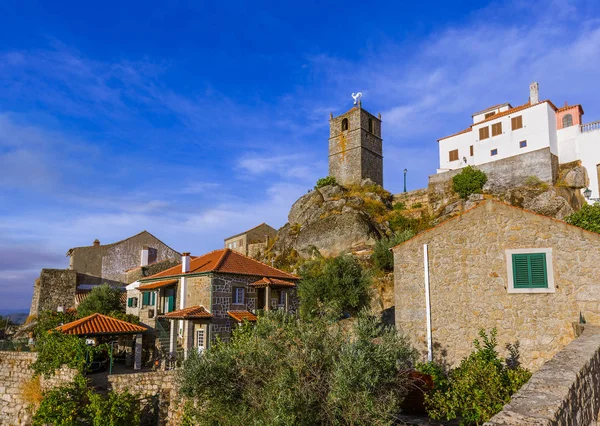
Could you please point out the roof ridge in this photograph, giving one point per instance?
(267, 265)
(221, 259)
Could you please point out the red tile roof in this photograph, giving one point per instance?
(500, 114)
(242, 315)
(100, 324)
(225, 261)
(157, 284)
(266, 282)
(566, 107)
(193, 312)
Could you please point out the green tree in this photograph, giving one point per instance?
(469, 181)
(587, 218)
(382, 257)
(340, 283)
(479, 387)
(288, 371)
(103, 299)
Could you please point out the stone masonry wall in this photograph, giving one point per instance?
(564, 391)
(158, 392)
(54, 287)
(15, 376)
(222, 296)
(468, 283)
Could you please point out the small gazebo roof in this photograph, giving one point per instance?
(98, 324)
(272, 282)
(193, 312)
(242, 315)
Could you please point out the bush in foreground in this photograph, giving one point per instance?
(469, 181)
(479, 387)
(587, 218)
(286, 371)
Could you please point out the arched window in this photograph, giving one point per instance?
(370, 125)
(344, 124)
(567, 120)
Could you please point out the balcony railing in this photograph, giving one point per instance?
(590, 127)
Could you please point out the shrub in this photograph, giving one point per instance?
(469, 181)
(416, 206)
(340, 283)
(399, 206)
(63, 405)
(329, 180)
(103, 299)
(114, 409)
(479, 387)
(587, 218)
(534, 182)
(286, 371)
(382, 257)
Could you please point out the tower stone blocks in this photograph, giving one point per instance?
(355, 147)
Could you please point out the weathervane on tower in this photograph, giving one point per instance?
(356, 97)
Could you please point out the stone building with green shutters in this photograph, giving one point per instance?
(497, 266)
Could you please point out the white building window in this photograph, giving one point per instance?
(238, 295)
(523, 144)
(494, 152)
(530, 270)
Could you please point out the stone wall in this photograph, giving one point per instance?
(54, 287)
(158, 392)
(222, 297)
(15, 377)
(469, 281)
(564, 391)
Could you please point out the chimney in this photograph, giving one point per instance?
(534, 93)
(96, 242)
(185, 262)
(144, 260)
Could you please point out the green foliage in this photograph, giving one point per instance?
(329, 180)
(535, 182)
(469, 181)
(416, 206)
(479, 387)
(440, 380)
(340, 283)
(399, 206)
(74, 404)
(49, 320)
(55, 349)
(382, 257)
(103, 299)
(287, 371)
(587, 218)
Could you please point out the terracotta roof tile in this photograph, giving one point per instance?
(100, 324)
(192, 312)
(566, 107)
(157, 284)
(500, 114)
(242, 315)
(225, 261)
(266, 282)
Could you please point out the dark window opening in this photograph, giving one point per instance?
(567, 120)
(522, 144)
(494, 151)
(489, 114)
(344, 124)
(370, 125)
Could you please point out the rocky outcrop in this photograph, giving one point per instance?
(333, 220)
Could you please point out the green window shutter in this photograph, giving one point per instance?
(529, 270)
(171, 304)
(130, 302)
(145, 299)
(153, 300)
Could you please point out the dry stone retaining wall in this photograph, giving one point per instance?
(565, 391)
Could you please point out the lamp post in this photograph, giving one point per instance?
(405, 170)
(587, 193)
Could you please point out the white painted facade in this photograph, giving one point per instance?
(539, 130)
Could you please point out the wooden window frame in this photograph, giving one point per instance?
(484, 134)
(516, 123)
(471, 151)
(511, 288)
(489, 114)
(450, 156)
(496, 126)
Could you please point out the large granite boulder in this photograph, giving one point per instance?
(577, 178)
(549, 203)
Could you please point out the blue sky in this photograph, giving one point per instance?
(197, 120)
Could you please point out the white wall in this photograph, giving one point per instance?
(539, 130)
(574, 145)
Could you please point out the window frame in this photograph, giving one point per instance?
(454, 151)
(549, 271)
(234, 297)
(523, 142)
(471, 151)
(492, 154)
(519, 120)
(484, 135)
(497, 126)
(564, 118)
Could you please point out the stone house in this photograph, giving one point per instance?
(497, 266)
(192, 304)
(114, 263)
(251, 242)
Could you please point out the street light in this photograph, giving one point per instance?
(587, 193)
(405, 170)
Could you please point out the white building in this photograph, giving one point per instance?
(504, 131)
